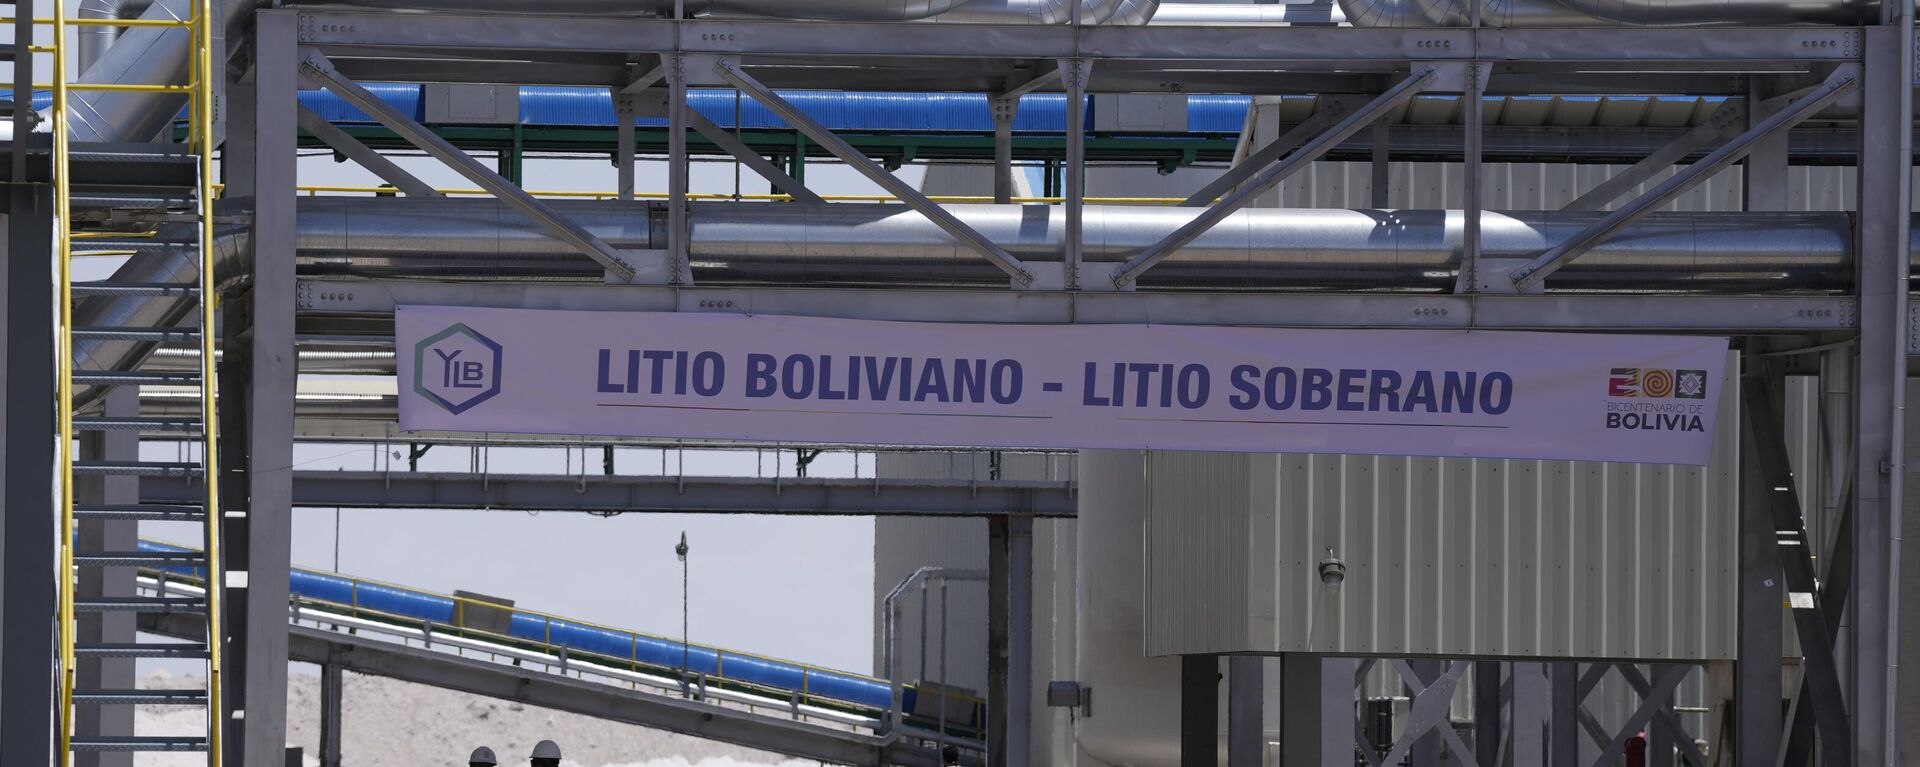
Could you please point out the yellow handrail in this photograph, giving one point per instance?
(125, 87)
(203, 74)
(63, 386)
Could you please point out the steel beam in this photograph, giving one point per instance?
(1019, 666)
(1682, 313)
(1885, 194)
(623, 150)
(1535, 272)
(1199, 711)
(1487, 733)
(740, 151)
(1563, 725)
(659, 494)
(680, 269)
(838, 147)
(1758, 637)
(1665, 722)
(1720, 126)
(1665, 679)
(1763, 186)
(1771, 487)
(1428, 714)
(315, 65)
(1073, 75)
(332, 689)
(1314, 125)
(260, 521)
(999, 591)
(1630, 48)
(1835, 589)
(1004, 109)
(375, 162)
(1246, 727)
(1472, 171)
(26, 463)
(1266, 179)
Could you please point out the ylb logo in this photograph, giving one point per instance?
(456, 368)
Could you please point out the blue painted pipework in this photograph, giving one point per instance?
(652, 651)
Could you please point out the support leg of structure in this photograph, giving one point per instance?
(95, 582)
(331, 687)
(1886, 139)
(1019, 641)
(1199, 711)
(1316, 709)
(1426, 750)
(623, 159)
(998, 591)
(1004, 110)
(1764, 183)
(1073, 75)
(677, 170)
(1246, 692)
(259, 538)
(26, 594)
(1486, 712)
(1757, 675)
(1563, 728)
(1531, 711)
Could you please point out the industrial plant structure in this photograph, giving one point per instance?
(1610, 170)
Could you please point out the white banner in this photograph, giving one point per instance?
(823, 381)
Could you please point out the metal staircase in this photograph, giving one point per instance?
(182, 173)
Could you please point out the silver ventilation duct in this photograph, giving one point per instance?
(1001, 11)
(93, 41)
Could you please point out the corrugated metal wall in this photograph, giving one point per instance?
(1446, 557)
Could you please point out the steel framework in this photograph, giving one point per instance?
(1860, 78)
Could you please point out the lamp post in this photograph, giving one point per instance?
(686, 646)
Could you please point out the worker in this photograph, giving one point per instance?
(546, 753)
(950, 756)
(482, 757)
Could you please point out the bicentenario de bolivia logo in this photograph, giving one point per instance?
(1656, 399)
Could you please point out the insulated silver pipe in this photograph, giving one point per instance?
(94, 41)
(1001, 11)
(1266, 249)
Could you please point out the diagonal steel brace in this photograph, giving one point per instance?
(315, 65)
(1267, 179)
(373, 161)
(838, 147)
(1536, 271)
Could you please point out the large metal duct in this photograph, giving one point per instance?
(1265, 249)
(93, 41)
(1522, 13)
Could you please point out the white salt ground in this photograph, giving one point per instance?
(396, 724)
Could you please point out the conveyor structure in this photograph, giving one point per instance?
(838, 701)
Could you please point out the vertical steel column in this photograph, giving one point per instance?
(1073, 75)
(26, 591)
(623, 154)
(1382, 167)
(998, 591)
(1019, 640)
(1316, 708)
(1531, 708)
(95, 582)
(1004, 110)
(259, 530)
(1563, 728)
(1472, 172)
(1757, 674)
(677, 168)
(331, 687)
(1764, 183)
(1886, 147)
(1199, 711)
(1246, 692)
(1486, 712)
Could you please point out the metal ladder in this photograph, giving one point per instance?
(191, 165)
